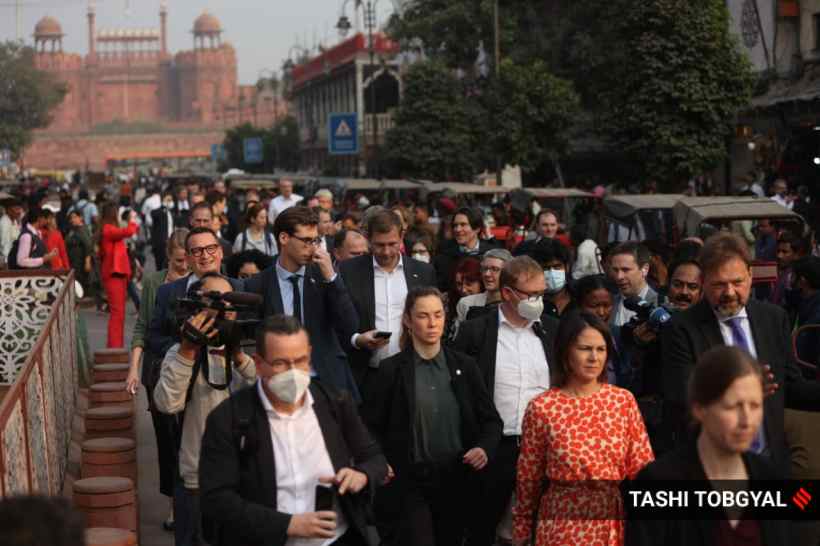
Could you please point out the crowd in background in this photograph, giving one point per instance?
(470, 375)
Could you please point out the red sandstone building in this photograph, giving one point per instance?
(128, 76)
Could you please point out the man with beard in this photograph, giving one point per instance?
(727, 316)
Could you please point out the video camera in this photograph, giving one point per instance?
(231, 331)
(655, 316)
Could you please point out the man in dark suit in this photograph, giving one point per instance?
(433, 417)
(468, 223)
(204, 255)
(514, 350)
(727, 316)
(302, 283)
(378, 285)
(268, 450)
(162, 226)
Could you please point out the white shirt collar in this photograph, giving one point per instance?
(191, 280)
(400, 265)
(269, 409)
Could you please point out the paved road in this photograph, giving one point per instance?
(153, 506)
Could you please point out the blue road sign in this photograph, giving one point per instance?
(5, 157)
(253, 151)
(343, 134)
(217, 152)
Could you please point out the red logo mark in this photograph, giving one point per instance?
(801, 498)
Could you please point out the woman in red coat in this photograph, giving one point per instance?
(115, 269)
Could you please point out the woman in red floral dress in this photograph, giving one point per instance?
(584, 436)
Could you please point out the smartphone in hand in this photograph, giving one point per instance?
(383, 335)
(325, 495)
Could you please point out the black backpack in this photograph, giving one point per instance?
(37, 249)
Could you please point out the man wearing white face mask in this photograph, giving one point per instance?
(554, 258)
(288, 462)
(513, 348)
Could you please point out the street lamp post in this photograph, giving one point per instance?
(370, 22)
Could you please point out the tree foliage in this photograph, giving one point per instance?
(435, 134)
(27, 96)
(681, 79)
(280, 145)
(661, 80)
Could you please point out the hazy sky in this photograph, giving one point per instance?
(262, 31)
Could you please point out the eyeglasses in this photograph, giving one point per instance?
(529, 295)
(490, 269)
(197, 252)
(310, 241)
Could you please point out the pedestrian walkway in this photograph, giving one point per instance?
(153, 506)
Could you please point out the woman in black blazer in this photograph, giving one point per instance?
(437, 426)
(726, 401)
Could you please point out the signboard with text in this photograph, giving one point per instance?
(253, 151)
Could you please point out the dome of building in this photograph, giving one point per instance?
(207, 24)
(48, 27)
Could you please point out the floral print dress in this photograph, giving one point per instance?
(585, 447)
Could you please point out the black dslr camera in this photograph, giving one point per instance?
(656, 316)
(230, 332)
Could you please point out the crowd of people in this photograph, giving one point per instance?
(441, 376)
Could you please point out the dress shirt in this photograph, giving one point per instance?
(183, 205)
(726, 330)
(300, 458)
(437, 423)
(521, 372)
(286, 289)
(624, 315)
(279, 204)
(390, 290)
(728, 339)
(151, 203)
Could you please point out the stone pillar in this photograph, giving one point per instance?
(163, 28)
(92, 29)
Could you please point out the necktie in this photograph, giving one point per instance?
(740, 341)
(297, 299)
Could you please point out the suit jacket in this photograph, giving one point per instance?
(478, 338)
(358, 276)
(162, 330)
(448, 256)
(160, 231)
(694, 331)
(328, 312)
(238, 488)
(113, 252)
(684, 464)
(389, 409)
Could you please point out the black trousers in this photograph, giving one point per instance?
(496, 483)
(431, 502)
(165, 434)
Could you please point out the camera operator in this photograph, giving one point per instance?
(684, 290)
(289, 460)
(194, 379)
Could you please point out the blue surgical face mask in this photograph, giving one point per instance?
(556, 280)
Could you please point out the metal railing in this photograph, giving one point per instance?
(37, 411)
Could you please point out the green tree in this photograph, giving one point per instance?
(435, 134)
(534, 112)
(681, 79)
(27, 96)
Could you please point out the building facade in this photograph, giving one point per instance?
(128, 76)
(342, 79)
